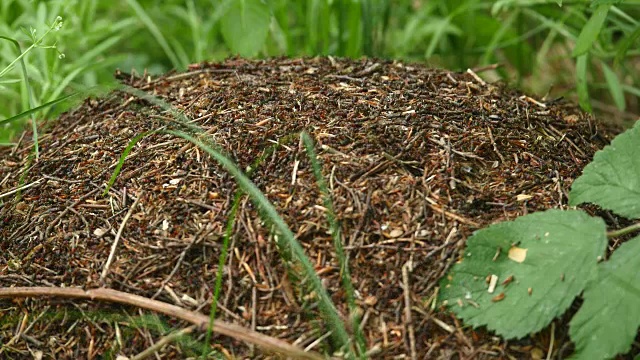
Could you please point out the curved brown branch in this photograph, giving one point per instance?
(109, 295)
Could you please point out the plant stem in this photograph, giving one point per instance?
(623, 231)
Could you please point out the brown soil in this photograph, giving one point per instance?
(417, 159)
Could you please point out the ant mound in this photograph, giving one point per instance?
(415, 160)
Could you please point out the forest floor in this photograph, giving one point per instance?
(416, 159)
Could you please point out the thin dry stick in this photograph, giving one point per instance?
(200, 320)
(495, 147)
(532, 100)
(65, 211)
(162, 342)
(178, 263)
(486, 68)
(553, 337)
(475, 76)
(18, 334)
(105, 270)
(407, 309)
(454, 216)
(20, 188)
(318, 341)
(254, 315)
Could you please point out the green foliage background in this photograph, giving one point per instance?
(535, 41)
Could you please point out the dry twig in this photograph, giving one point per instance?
(199, 320)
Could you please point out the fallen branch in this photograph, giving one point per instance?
(200, 320)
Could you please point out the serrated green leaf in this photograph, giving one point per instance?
(245, 26)
(608, 320)
(591, 30)
(612, 179)
(561, 247)
(615, 88)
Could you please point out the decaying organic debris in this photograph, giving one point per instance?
(417, 159)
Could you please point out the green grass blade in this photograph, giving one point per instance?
(200, 40)
(439, 29)
(270, 213)
(17, 59)
(90, 56)
(318, 27)
(180, 51)
(36, 109)
(502, 32)
(628, 18)
(591, 30)
(367, 27)
(157, 34)
(336, 233)
(632, 90)
(549, 41)
(324, 28)
(178, 115)
(624, 46)
(560, 27)
(340, 9)
(281, 32)
(615, 88)
(66, 81)
(354, 24)
(581, 82)
(9, 81)
(23, 67)
(123, 156)
(223, 259)
(224, 251)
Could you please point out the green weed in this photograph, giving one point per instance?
(285, 236)
(516, 277)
